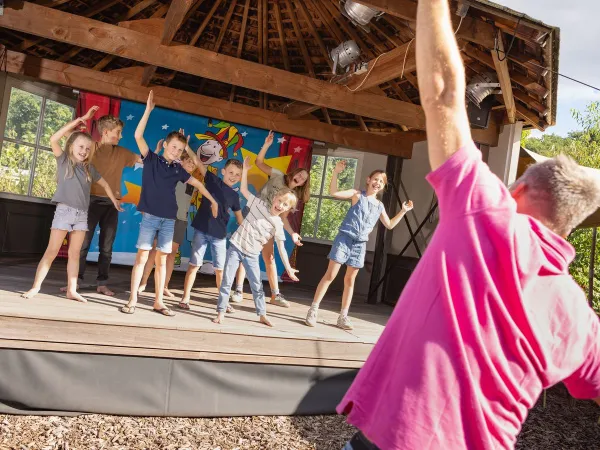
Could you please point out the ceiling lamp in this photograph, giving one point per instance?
(344, 54)
(359, 14)
(482, 86)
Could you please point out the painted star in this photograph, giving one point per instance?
(130, 117)
(297, 149)
(165, 127)
(244, 134)
(133, 193)
(281, 140)
(257, 177)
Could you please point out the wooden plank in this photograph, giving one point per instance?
(297, 110)
(284, 50)
(327, 20)
(138, 8)
(399, 144)
(488, 136)
(314, 31)
(115, 40)
(225, 25)
(175, 15)
(179, 354)
(151, 27)
(204, 23)
(501, 65)
(303, 48)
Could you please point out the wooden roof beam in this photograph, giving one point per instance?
(106, 38)
(128, 87)
(501, 65)
(298, 32)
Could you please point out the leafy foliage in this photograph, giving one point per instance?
(16, 159)
(584, 147)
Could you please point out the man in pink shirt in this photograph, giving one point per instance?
(490, 316)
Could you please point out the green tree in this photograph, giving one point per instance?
(583, 146)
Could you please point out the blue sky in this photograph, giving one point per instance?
(579, 50)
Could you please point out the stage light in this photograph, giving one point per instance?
(360, 15)
(344, 54)
(482, 86)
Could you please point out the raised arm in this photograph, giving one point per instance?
(260, 158)
(391, 223)
(68, 129)
(141, 127)
(441, 77)
(201, 167)
(286, 262)
(333, 186)
(244, 182)
(214, 206)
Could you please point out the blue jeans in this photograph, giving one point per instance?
(359, 442)
(232, 262)
(218, 249)
(153, 227)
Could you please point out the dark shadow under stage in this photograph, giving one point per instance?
(58, 355)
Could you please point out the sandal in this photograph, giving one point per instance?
(183, 305)
(230, 309)
(164, 311)
(127, 309)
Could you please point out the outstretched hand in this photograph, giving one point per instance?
(269, 139)
(91, 112)
(118, 206)
(339, 166)
(292, 274)
(297, 239)
(159, 146)
(247, 163)
(150, 102)
(407, 206)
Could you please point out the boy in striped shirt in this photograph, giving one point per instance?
(260, 225)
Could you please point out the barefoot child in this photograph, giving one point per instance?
(349, 246)
(209, 230)
(261, 225)
(75, 176)
(157, 203)
(183, 195)
(298, 180)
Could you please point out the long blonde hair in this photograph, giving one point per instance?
(302, 192)
(72, 162)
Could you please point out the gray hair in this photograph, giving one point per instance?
(564, 192)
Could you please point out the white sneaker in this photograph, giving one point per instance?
(236, 297)
(311, 316)
(344, 323)
(279, 300)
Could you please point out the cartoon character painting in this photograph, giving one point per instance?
(215, 147)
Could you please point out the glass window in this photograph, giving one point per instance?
(323, 214)
(27, 165)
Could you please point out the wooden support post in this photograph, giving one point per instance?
(383, 243)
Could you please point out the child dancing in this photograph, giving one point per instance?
(261, 225)
(75, 176)
(349, 246)
(159, 206)
(298, 180)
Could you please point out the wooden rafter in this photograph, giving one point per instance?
(240, 47)
(205, 22)
(327, 20)
(284, 50)
(303, 48)
(125, 86)
(225, 25)
(313, 29)
(501, 65)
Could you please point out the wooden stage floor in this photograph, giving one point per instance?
(53, 323)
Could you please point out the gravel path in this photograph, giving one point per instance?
(564, 424)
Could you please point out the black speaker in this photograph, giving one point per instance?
(479, 117)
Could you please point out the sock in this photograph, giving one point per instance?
(275, 292)
(344, 312)
(239, 288)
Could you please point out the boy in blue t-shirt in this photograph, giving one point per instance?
(159, 206)
(209, 230)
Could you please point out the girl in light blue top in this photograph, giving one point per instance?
(349, 246)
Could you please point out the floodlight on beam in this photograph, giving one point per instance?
(344, 54)
(480, 98)
(359, 14)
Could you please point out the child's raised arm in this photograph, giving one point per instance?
(260, 158)
(141, 127)
(244, 182)
(214, 206)
(197, 162)
(391, 223)
(284, 258)
(333, 187)
(68, 129)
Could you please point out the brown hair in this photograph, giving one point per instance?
(302, 192)
(69, 151)
(285, 191)
(377, 172)
(175, 135)
(108, 123)
(234, 162)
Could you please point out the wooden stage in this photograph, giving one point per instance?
(50, 322)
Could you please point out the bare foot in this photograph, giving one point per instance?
(167, 293)
(30, 293)
(141, 289)
(66, 288)
(266, 321)
(220, 318)
(105, 290)
(76, 296)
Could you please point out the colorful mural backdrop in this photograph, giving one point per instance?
(214, 141)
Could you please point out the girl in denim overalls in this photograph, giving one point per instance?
(349, 246)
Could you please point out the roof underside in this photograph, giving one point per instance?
(296, 35)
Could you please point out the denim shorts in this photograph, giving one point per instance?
(69, 219)
(152, 228)
(218, 250)
(346, 250)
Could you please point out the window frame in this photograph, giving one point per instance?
(46, 94)
(333, 153)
